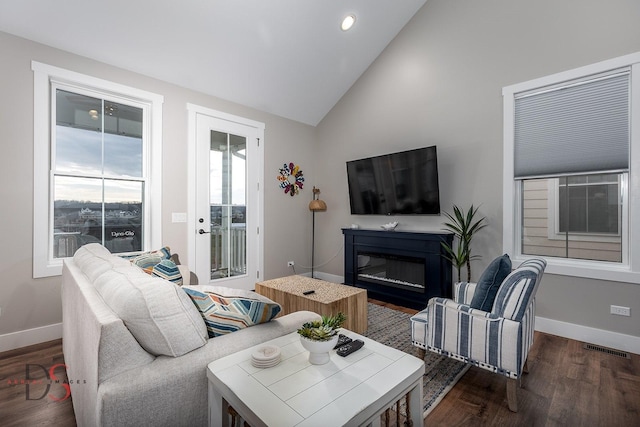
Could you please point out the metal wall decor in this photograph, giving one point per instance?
(291, 179)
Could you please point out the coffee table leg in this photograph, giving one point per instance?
(217, 408)
(415, 405)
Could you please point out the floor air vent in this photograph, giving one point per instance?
(607, 350)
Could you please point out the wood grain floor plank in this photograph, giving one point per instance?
(566, 386)
(619, 392)
(39, 410)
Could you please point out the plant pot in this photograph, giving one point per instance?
(318, 350)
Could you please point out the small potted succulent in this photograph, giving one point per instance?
(320, 336)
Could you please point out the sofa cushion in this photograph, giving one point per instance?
(226, 310)
(159, 315)
(94, 259)
(489, 282)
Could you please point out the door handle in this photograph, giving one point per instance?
(201, 231)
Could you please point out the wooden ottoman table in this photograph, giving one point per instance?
(327, 299)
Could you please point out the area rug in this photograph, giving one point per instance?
(393, 328)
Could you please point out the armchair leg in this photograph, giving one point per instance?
(512, 397)
(525, 368)
(422, 353)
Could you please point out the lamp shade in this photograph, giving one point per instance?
(317, 205)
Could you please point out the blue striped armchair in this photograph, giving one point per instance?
(498, 341)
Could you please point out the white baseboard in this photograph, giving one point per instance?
(28, 337)
(589, 335)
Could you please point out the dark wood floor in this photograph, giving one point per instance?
(566, 386)
(37, 408)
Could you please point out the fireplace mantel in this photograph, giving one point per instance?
(400, 267)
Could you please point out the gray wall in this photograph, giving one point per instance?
(439, 82)
(27, 303)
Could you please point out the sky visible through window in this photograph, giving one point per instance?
(79, 152)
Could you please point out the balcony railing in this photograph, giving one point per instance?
(228, 251)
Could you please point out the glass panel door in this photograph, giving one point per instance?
(228, 208)
(227, 242)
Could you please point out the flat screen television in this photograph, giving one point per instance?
(404, 183)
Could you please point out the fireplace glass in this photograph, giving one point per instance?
(403, 272)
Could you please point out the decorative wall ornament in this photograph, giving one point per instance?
(291, 179)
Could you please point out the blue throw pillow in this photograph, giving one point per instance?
(489, 282)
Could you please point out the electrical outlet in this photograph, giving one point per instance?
(620, 311)
(290, 263)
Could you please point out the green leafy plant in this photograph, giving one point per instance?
(322, 330)
(463, 225)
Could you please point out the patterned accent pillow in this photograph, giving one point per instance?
(147, 260)
(227, 310)
(168, 270)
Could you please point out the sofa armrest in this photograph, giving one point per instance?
(476, 336)
(186, 274)
(96, 343)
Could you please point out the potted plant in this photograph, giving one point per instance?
(464, 226)
(320, 336)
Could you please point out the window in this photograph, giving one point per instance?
(589, 204)
(568, 162)
(95, 181)
(575, 217)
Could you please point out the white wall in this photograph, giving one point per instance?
(439, 82)
(34, 305)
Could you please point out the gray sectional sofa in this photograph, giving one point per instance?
(136, 348)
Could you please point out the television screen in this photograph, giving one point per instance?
(404, 183)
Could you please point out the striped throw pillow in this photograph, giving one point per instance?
(226, 310)
(167, 270)
(147, 261)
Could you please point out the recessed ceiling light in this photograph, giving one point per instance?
(348, 22)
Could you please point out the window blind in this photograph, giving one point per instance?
(577, 128)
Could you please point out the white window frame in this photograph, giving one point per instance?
(44, 265)
(629, 269)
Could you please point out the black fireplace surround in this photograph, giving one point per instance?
(403, 268)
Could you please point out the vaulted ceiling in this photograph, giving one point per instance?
(286, 57)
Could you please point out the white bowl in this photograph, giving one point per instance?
(318, 350)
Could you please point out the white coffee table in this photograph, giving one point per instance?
(353, 390)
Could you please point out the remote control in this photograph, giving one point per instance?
(342, 340)
(309, 292)
(349, 348)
